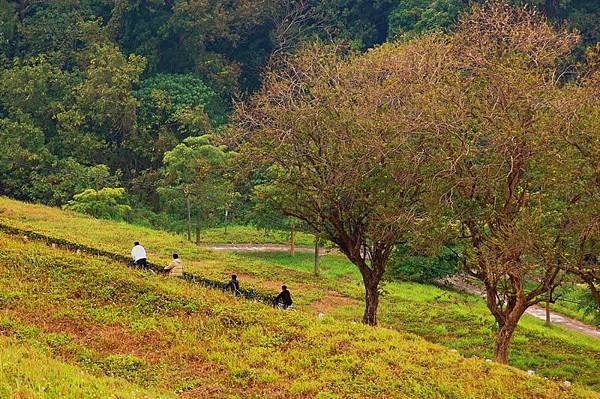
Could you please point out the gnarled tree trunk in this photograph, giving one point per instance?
(507, 316)
(372, 277)
(371, 302)
(503, 339)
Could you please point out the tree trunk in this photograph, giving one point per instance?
(198, 227)
(371, 303)
(317, 257)
(595, 292)
(189, 218)
(226, 220)
(292, 239)
(22, 9)
(503, 341)
(548, 321)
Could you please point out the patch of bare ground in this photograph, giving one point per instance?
(332, 300)
(276, 286)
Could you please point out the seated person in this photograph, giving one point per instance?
(138, 253)
(175, 268)
(284, 299)
(233, 285)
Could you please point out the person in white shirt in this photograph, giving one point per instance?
(138, 253)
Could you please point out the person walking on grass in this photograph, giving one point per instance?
(284, 299)
(175, 268)
(138, 253)
(233, 285)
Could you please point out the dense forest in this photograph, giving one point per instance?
(126, 100)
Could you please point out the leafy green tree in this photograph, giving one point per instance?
(106, 203)
(173, 107)
(33, 89)
(103, 113)
(58, 30)
(418, 16)
(194, 180)
(67, 177)
(23, 158)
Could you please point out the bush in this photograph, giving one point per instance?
(106, 203)
(408, 266)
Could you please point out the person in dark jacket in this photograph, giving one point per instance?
(284, 299)
(233, 285)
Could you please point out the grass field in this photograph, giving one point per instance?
(455, 320)
(164, 334)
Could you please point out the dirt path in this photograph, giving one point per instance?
(261, 247)
(557, 318)
(536, 311)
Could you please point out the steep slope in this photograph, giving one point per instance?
(27, 372)
(171, 335)
(455, 320)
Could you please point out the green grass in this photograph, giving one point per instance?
(237, 234)
(27, 372)
(165, 334)
(332, 265)
(455, 320)
(568, 305)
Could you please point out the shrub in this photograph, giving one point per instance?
(409, 266)
(107, 203)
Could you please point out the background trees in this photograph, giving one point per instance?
(121, 83)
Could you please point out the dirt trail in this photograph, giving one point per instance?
(536, 311)
(262, 247)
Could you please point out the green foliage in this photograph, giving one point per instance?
(419, 16)
(163, 96)
(59, 30)
(589, 306)
(194, 178)
(104, 107)
(408, 266)
(106, 203)
(22, 160)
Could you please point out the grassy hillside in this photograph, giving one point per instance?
(28, 372)
(170, 335)
(456, 320)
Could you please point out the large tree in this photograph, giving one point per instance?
(581, 132)
(338, 133)
(495, 127)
